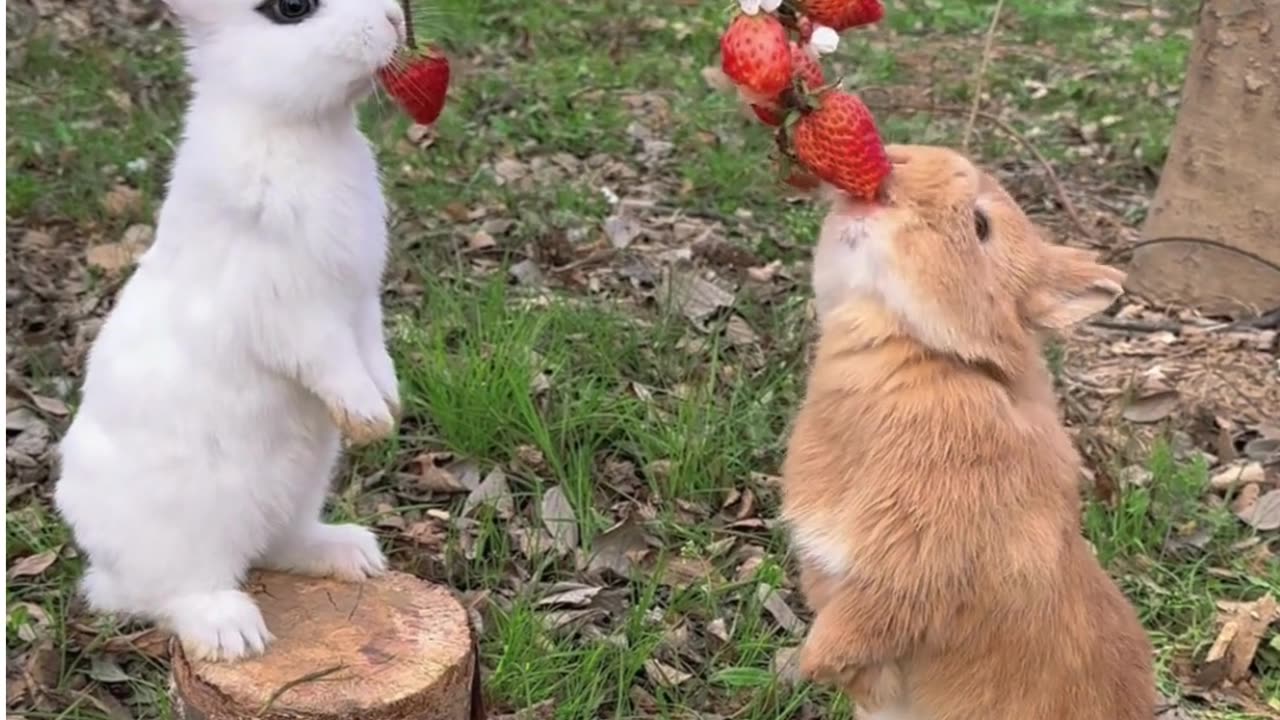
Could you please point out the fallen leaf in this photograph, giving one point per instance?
(53, 406)
(786, 665)
(681, 572)
(1152, 407)
(481, 240)
(778, 608)
(621, 230)
(492, 492)
(1246, 502)
(719, 630)
(33, 565)
(43, 668)
(1236, 475)
(569, 594)
(618, 549)
(122, 200)
(664, 674)
(111, 257)
(559, 520)
(1243, 625)
(104, 669)
(695, 298)
(1265, 514)
(152, 642)
(441, 472)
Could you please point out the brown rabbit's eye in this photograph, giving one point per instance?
(981, 224)
(288, 12)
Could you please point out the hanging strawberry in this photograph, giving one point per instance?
(419, 82)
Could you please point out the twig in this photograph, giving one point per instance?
(408, 24)
(356, 605)
(1067, 206)
(309, 677)
(1202, 241)
(982, 73)
(1136, 325)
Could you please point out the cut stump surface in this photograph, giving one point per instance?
(393, 648)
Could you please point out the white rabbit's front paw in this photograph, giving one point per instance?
(219, 626)
(361, 427)
(346, 552)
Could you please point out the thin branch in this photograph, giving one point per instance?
(982, 74)
(409, 39)
(309, 677)
(1067, 206)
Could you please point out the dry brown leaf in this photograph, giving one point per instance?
(681, 572)
(493, 492)
(569, 594)
(1246, 502)
(786, 666)
(34, 565)
(1152, 407)
(559, 520)
(53, 406)
(618, 549)
(441, 472)
(1265, 513)
(122, 200)
(1243, 625)
(779, 609)
(694, 297)
(621, 230)
(1236, 475)
(152, 642)
(664, 674)
(481, 240)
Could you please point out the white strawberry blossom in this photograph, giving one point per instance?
(751, 7)
(824, 40)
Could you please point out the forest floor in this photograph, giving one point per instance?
(600, 315)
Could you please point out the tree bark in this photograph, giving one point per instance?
(393, 648)
(1212, 237)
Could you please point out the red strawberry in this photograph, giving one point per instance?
(811, 78)
(806, 68)
(841, 15)
(839, 142)
(767, 115)
(418, 85)
(754, 53)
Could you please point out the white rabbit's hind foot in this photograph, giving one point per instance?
(223, 625)
(345, 552)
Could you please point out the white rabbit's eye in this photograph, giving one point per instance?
(288, 12)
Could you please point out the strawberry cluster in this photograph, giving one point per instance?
(770, 53)
(417, 79)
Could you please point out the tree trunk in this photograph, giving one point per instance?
(1212, 238)
(392, 648)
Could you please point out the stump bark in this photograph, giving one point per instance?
(1212, 238)
(393, 648)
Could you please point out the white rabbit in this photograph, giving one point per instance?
(250, 336)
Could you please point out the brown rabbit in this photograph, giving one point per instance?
(930, 488)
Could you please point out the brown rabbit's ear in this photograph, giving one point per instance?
(1075, 286)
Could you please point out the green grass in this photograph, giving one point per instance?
(608, 396)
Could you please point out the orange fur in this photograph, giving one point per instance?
(930, 487)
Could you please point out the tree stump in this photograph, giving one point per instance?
(1212, 237)
(392, 648)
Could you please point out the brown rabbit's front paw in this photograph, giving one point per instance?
(820, 665)
(359, 430)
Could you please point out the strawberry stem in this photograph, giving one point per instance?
(409, 39)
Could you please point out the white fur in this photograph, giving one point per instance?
(819, 546)
(206, 438)
(853, 260)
